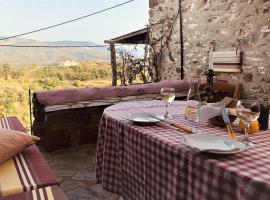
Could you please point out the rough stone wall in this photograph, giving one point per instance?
(228, 23)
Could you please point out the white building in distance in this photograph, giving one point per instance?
(68, 63)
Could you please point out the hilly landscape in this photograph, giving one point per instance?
(49, 56)
(16, 81)
(39, 68)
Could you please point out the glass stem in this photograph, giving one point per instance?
(246, 132)
(167, 112)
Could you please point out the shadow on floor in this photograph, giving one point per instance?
(75, 167)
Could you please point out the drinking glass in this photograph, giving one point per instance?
(247, 111)
(167, 95)
(193, 102)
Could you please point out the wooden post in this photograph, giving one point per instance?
(30, 110)
(182, 71)
(113, 64)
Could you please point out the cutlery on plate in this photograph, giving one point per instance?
(226, 119)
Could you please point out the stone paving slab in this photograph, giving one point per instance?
(75, 167)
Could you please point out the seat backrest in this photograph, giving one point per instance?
(233, 89)
(223, 89)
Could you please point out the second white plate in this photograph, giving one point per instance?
(213, 144)
(145, 118)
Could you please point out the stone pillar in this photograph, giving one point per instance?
(153, 3)
(229, 24)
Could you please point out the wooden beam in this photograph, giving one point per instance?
(113, 64)
(130, 38)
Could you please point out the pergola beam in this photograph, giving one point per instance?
(136, 37)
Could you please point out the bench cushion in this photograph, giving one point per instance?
(59, 97)
(47, 193)
(27, 170)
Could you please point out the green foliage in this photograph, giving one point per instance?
(15, 83)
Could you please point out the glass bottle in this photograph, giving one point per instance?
(264, 115)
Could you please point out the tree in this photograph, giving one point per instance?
(6, 70)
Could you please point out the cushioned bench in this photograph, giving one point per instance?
(26, 172)
(70, 117)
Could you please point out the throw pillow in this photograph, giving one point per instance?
(13, 142)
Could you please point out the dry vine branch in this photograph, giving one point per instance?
(130, 66)
(158, 44)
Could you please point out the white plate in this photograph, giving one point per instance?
(145, 118)
(213, 144)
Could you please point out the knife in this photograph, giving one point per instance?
(185, 128)
(226, 119)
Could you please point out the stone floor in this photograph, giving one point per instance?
(75, 167)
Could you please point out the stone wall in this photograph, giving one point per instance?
(227, 22)
(73, 124)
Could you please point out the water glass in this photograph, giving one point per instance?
(193, 102)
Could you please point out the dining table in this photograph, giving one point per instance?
(150, 162)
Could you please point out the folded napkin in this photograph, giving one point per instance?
(210, 110)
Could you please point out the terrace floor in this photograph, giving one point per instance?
(76, 169)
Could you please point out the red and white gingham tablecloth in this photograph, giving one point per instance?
(151, 163)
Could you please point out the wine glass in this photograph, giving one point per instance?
(247, 111)
(167, 95)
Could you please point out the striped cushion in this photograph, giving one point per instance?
(228, 61)
(27, 170)
(47, 193)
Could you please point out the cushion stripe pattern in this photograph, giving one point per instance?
(26, 171)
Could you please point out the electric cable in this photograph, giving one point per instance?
(53, 46)
(58, 46)
(66, 22)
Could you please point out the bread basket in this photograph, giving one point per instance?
(229, 103)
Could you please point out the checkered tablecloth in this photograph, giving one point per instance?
(150, 162)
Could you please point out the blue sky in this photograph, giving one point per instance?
(19, 16)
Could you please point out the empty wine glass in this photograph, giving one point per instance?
(167, 95)
(248, 111)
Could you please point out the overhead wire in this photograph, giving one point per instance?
(55, 46)
(60, 46)
(66, 22)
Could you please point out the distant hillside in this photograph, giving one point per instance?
(29, 56)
